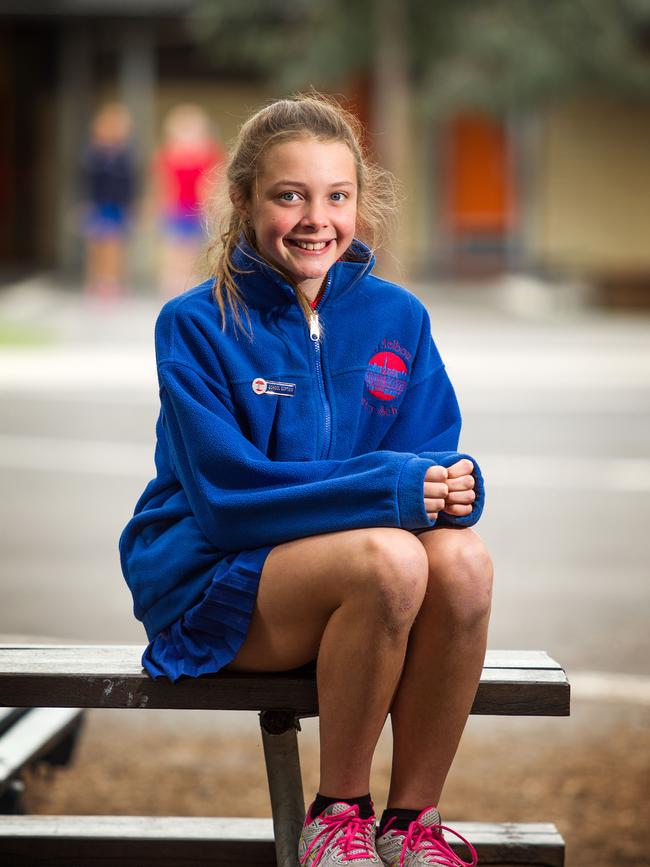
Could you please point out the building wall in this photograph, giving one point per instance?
(593, 203)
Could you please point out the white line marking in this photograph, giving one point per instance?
(490, 401)
(605, 686)
(584, 368)
(627, 475)
(76, 456)
(551, 370)
(62, 368)
(145, 397)
(541, 472)
(486, 401)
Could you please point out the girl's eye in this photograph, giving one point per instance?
(339, 196)
(287, 197)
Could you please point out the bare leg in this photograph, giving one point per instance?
(178, 265)
(93, 265)
(349, 598)
(114, 262)
(104, 266)
(443, 666)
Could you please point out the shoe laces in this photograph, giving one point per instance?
(429, 841)
(355, 839)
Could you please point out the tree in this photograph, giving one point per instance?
(495, 54)
(432, 58)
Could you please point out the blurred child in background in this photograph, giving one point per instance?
(183, 171)
(108, 180)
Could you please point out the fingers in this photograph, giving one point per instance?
(433, 505)
(460, 498)
(463, 467)
(435, 495)
(458, 511)
(436, 474)
(462, 483)
(435, 490)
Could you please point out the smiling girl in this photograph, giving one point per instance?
(310, 502)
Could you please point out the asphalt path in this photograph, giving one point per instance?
(556, 409)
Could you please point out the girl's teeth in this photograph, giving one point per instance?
(320, 246)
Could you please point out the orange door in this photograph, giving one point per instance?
(479, 185)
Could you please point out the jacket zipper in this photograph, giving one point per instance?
(314, 336)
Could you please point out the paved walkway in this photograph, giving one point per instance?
(515, 333)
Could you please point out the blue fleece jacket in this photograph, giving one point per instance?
(287, 434)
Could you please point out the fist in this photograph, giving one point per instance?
(460, 483)
(435, 491)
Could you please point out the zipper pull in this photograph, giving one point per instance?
(314, 327)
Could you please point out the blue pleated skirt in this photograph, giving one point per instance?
(208, 636)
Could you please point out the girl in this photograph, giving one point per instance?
(309, 500)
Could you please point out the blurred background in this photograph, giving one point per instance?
(520, 132)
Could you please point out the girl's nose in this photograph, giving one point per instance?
(314, 215)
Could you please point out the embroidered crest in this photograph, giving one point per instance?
(266, 386)
(386, 375)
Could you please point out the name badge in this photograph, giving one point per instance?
(266, 386)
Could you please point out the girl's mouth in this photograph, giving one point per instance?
(310, 246)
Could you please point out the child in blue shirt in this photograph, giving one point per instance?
(310, 502)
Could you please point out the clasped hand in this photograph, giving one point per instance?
(449, 489)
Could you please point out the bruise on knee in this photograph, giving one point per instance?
(398, 605)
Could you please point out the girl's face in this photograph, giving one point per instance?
(304, 207)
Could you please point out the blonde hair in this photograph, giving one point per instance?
(305, 115)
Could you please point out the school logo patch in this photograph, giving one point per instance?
(386, 378)
(266, 386)
(386, 375)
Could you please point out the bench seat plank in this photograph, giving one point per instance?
(36, 841)
(501, 692)
(33, 736)
(526, 683)
(109, 658)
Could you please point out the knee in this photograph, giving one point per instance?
(460, 577)
(393, 576)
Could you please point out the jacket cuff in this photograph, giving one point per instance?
(410, 494)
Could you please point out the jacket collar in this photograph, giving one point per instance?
(264, 287)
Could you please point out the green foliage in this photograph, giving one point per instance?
(498, 55)
(512, 54)
(292, 43)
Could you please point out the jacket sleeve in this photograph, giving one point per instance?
(241, 499)
(428, 422)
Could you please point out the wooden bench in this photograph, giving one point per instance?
(30, 735)
(526, 683)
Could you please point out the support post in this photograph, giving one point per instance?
(279, 736)
(74, 109)
(138, 79)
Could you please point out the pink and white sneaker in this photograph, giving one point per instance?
(338, 836)
(422, 845)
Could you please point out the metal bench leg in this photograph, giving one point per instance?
(285, 782)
